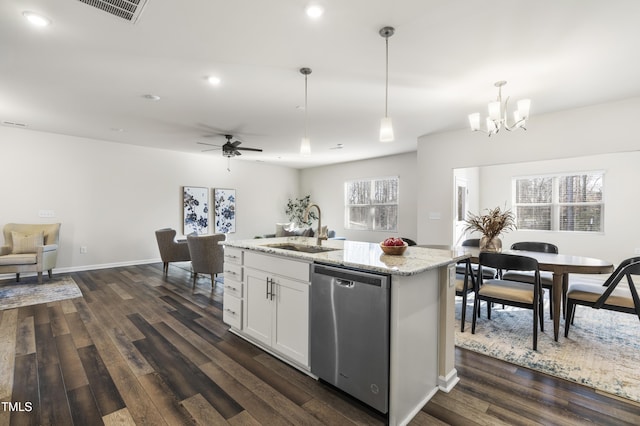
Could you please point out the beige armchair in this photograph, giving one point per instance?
(207, 256)
(170, 249)
(29, 248)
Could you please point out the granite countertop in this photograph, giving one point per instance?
(356, 254)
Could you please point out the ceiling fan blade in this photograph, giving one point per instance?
(210, 144)
(235, 144)
(211, 149)
(250, 149)
(236, 152)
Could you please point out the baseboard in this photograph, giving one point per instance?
(68, 269)
(447, 383)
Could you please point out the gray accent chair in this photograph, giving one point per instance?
(29, 248)
(170, 249)
(207, 256)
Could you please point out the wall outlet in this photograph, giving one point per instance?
(83, 249)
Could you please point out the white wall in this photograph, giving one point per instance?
(111, 197)
(326, 186)
(619, 239)
(582, 132)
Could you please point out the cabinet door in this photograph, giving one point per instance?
(258, 306)
(291, 319)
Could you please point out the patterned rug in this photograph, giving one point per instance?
(19, 295)
(602, 350)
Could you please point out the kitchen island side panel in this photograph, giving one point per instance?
(414, 323)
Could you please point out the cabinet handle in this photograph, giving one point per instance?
(230, 311)
(230, 272)
(231, 288)
(272, 292)
(267, 287)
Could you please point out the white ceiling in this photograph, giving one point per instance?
(86, 74)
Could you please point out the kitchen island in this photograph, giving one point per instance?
(266, 301)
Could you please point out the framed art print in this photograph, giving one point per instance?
(225, 210)
(196, 210)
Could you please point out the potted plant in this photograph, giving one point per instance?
(491, 225)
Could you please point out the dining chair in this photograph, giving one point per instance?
(506, 292)
(611, 295)
(461, 267)
(170, 249)
(465, 284)
(207, 256)
(546, 278)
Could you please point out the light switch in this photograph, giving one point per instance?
(434, 215)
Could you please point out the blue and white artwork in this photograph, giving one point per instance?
(225, 210)
(196, 210)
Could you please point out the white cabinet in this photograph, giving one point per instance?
(276, 309)
(233, 287)
(277, 313)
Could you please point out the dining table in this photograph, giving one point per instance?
(559, 264)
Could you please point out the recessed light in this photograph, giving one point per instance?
(314, 11)
(151, 97)
(213, 80)
(36, 19)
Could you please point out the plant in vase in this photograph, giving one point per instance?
(491, 225)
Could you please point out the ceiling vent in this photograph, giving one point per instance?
(128, 10)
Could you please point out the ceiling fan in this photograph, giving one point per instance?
(229, 149)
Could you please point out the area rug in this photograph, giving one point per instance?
(19, 295)
(602, 350)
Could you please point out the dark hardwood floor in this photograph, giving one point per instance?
(146, 350)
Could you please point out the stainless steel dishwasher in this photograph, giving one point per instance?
(349, 332)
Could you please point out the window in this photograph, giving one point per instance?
(568, 202)
(371, 204)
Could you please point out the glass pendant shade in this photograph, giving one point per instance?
(474, 121)
(523, 108)
(494, 110)
(386, 130)
(305, 147)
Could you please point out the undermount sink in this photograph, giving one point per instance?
(300, 247)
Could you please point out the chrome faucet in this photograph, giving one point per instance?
(305, 218)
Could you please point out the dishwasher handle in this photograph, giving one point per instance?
(344, 283)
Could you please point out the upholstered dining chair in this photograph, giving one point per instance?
(207, 256)
(546, 278)
(507, 292)
(170, 249)
(612, 295)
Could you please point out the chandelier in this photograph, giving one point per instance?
(497, 118)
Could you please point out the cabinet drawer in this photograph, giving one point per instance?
(233, 255)
(295, 269)
(232, 311)
(232, 271)
(233, 288)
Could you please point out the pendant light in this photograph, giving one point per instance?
(305, 145)
(386, 127)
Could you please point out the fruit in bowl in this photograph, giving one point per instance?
(393, 246)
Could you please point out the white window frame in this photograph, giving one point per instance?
(555, 204)
(371, 222)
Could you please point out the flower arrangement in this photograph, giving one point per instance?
(491, 225)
